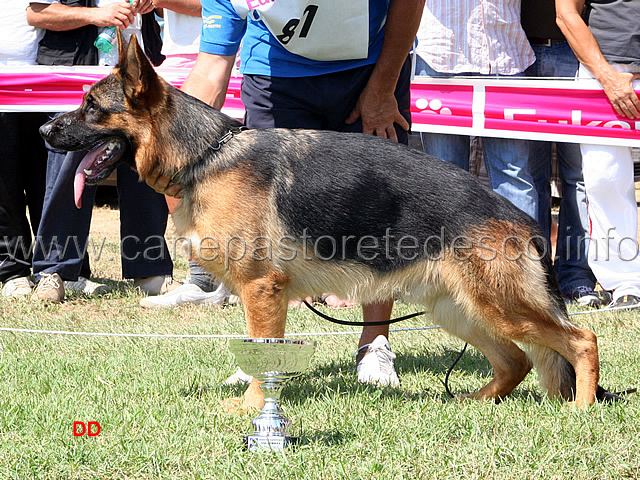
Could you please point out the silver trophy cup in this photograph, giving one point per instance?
(272, 361)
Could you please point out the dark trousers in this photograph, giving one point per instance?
(320, 102)
(63, 243)
(23, 162)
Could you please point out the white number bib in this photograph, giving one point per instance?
(321, 30)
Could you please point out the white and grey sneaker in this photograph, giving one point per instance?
(190, 294)
(17, 287)
(86, 286)
(585, 296)
(158, 285)
(377, 364)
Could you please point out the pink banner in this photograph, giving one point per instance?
(58, 89)
(550, 109)
(553, 110)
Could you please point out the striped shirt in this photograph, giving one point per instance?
(474, 36)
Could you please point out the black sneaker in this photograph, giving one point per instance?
(626, 302)
(585, 296)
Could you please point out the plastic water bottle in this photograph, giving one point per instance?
(106, 40)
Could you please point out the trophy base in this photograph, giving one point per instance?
(258, 442)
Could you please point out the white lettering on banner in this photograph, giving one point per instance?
(576, 119)
(510, 113)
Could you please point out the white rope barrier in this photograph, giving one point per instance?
(205, 336)
(160, 335)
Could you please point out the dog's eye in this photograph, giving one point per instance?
(91, 106)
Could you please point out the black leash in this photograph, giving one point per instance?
(361, 324)
(455, 362)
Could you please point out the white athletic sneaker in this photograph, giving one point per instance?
(238, 378)
(86, 286)
(158, 285)
(17, 287)
(190, 294)
(377, 365)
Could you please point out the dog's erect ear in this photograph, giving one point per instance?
(136, 70)
(122, 45)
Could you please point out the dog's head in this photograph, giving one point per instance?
(114, 117)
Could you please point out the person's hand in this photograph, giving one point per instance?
(162, 184)
(379, 113)
(619, 90)
(143, 6)
(118, 14)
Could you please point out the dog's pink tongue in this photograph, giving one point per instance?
(79, 179)
(78, 188)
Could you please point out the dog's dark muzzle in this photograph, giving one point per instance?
(45, 131)
(55, 127)
(61, 133)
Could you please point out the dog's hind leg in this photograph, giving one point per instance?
(510, 364)
(565, 356)
(496, 291)
(265, 308)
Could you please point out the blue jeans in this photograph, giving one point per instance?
(505, 159)
(62, 244)
(571, 262)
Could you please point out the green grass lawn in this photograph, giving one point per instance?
(159, 403)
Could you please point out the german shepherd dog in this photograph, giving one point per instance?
(281, 214)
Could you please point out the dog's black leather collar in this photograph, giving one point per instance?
(217, 145)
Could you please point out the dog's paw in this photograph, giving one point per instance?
(236, 406)
(231, 405)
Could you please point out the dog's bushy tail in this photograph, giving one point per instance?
(556, 374)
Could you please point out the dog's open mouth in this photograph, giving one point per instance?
(97, 165)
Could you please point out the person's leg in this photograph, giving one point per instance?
(62, 240)
(572, 263)
(374, 359)
(613, 216)
(540, 168)
(35, 169)
(15, 235)
(276, 102)
(143, 223)
(507, 163)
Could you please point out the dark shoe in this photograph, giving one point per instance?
(585, 296)
(626, 302)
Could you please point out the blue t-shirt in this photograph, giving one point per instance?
(224, 29)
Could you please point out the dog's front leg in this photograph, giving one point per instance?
(265, 309)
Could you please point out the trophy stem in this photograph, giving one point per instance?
(271, 426)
